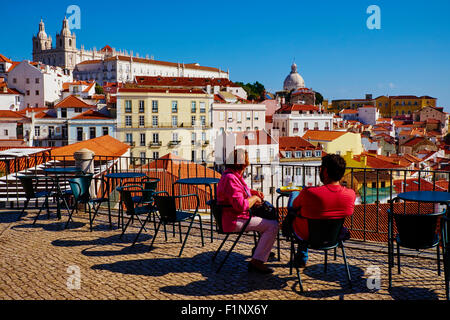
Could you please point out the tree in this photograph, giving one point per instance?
(98, 89)
(319, 98)
(255, 91)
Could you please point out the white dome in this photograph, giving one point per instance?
(294, 80)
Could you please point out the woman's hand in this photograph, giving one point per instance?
(254, 201)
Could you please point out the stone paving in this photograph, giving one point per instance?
(39, 263)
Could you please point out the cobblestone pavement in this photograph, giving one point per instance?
(38, 262)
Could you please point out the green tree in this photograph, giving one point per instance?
(99, 89)
(255, 91)
(319, 98)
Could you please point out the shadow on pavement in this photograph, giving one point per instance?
(233, 278)
(412, 293)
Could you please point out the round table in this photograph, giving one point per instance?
(201, 181)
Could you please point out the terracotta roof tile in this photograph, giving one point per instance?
(323, 135)
(73, 102)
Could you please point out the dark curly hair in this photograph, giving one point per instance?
(335, 165)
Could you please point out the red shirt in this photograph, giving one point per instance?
(325, 202)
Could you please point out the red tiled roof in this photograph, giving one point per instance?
(92, 115)
(182, 81)
(323, 135)
(4, 59)
(414, 141)
(101, 146)
(294, 143)
(73, 102)
(4, 85)
(8, 114)
(168, 90)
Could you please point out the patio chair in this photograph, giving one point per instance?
(414, 231)
(446, 247)
(169, 214)
(102, 189)
(134, 209)
(80, 186)
(30, 189)
(324, 235)
(217, 213)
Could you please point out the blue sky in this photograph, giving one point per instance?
(336, 53)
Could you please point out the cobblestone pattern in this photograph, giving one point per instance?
(34, 262)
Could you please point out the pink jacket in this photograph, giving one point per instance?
(232, 190)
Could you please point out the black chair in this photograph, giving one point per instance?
(446, 247)
(102, 196)
(80, 186)
(29, 185)
(217, 213)
(414, 231)
(133, 209)
(169, 214)
(324, 234)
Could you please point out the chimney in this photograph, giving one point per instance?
(364, 161)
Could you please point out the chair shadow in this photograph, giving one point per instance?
(9, 216)
(54, 226)
(336, 273)
(412, 293)
(233, 279)
(111, 240)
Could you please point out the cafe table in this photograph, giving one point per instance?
(205, 181)
(436, 197)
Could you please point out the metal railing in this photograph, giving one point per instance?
(374, 187)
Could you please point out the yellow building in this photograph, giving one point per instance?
(336, 142)
(403, 105)
(158, 121)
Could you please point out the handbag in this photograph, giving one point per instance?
(266, 211)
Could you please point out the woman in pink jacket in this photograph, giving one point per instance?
(237, 198)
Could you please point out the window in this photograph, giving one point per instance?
(308, 154)
(318, 154)
(143, 156)
(193, 106)
(28, 80)
(193, 156)
(248, 116)
(156, 138)
(221, 115)
(92, 133)
(203, 120)
(230, 116)
(174, 121)
(78, 110)
(79, 134)
(288, 154)
(14, 80)
(288, 171)
(142, 121)
(256, 115)
(36, 80)
(37, 92)
(307, 171)
(28, 92)
(298, 154)
(203, 155)
(305, 126)
(193, 120)
(105, 131)
(128, 121)
(37, 131)
(174, 106)
(193, 138)
(142, 141)
(155, 121)
(63, 113)
(239, 117)
(202, 107)
(203, 136)
(5, 132)
(383, 184)
(141, 106)
(129, 137)
(374, 185)
(175, 136)
(155, 155)
(154, 106)
(128, 106)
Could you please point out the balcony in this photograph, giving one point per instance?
(174, 143)
(155, 144)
